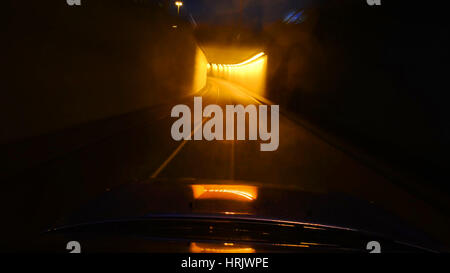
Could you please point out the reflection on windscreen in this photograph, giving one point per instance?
(233, 192)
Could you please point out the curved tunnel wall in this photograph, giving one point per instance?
(250, 73)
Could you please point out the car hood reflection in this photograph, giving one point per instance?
(240, 199)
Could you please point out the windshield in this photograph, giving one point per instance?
(321, 112)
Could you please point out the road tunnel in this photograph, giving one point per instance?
(244, 66)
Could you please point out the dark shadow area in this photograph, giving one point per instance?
(68, 65)
(73, 77)
(374, 76)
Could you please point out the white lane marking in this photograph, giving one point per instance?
(178, 149)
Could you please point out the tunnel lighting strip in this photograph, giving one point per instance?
(257, 56)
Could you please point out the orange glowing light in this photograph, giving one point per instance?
(256, 57)
(230, 192)
(215, 248)
(235, 213)
(178, 4)
(250, 73)
(292, 245)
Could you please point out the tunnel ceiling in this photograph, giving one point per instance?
(229, 55)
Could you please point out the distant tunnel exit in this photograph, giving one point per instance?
(250, 73)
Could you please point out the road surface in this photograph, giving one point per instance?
(147, 151)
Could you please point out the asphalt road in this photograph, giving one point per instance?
(147, 151)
